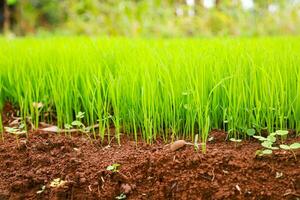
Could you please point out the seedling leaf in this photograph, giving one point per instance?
(56, 183)
(250, 132)
(273, 134)
(268, 145)
(235, 140)
(263, 152)
(285, 147)
(68, 126)
(295, 146)
(77, 123)
(267, 152)
(271, 138)
(114, 167)
(80, 115)
(260, 138)
(281, 132)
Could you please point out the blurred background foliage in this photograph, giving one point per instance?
(162, 18)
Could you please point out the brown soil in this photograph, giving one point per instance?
(226, 171)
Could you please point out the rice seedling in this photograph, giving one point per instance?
(172, 88)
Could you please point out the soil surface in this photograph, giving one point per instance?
(226, 171)
(52, 166)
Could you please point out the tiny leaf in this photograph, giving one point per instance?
(282, 132)
(285, 147)
(80, 115)
(267, 152)
(295, 146)
(250, 132)
(77, 123)
(260, 138)
(266, 144)
(271, 138)
(235, 140)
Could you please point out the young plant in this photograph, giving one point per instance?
(267, 143)
(77, 123)
(113, 168)
(16, 132)
(236, 141)
(263, 152)
(250, 132)
(291, 148)
(283, 134)
(56, 183)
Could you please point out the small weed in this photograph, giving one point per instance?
(282, 133)
(68, 126)
(263, 152)
(77, 123)
(16, 132)
(250, 132)
(291, 148)
(56, 183)
(114, 167)
(236, 141)
(267, 143)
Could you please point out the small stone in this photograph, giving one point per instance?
(177, 145)
(126, 188)
(83, 180)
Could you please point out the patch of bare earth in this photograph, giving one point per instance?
(226, 171)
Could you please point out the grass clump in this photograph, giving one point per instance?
(173, 88)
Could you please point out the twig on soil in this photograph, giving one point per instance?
(213, 173)
(291, 193)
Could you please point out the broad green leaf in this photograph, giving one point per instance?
(267, 152)
(260, 138)
(285, 147)
(266, 144)
(250, 132)
(295, 146)
(273, 134)
(282, 132)
(271, 138)
(263, 152)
